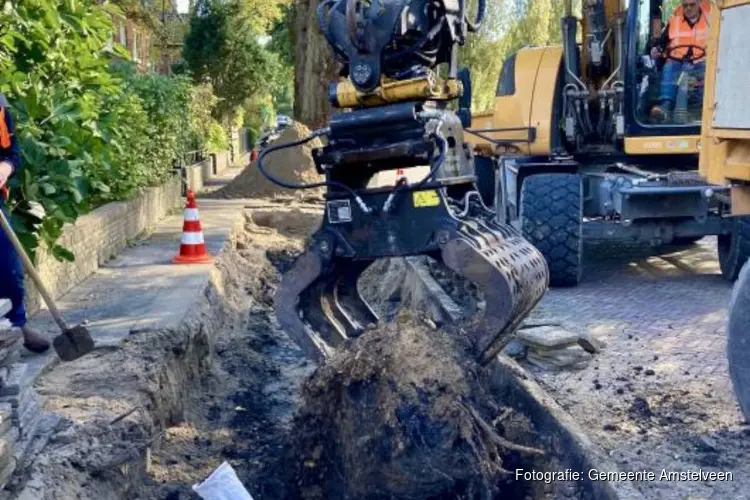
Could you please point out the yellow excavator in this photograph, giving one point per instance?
(573, 149)
(725, 160)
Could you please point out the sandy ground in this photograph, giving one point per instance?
(639, 400)
(658, 396)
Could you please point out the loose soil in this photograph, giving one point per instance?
(404, 393)
(293, 165)
(397, 414)
(646, 398)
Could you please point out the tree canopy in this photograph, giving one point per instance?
(224, 48)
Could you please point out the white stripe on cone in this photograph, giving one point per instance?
(192, 238)
(191, 214)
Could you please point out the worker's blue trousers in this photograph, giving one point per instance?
(671, 74)
(11, 278)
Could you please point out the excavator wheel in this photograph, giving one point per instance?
(738, 340)
(551, 219)
(734, 248)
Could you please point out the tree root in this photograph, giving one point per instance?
(495, 437)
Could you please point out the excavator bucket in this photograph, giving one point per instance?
(318, 303)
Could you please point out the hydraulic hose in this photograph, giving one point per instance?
(289, 185)
(477, 24)
(442, 145)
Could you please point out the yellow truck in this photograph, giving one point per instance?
(725, 161)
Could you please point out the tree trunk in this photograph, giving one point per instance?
(315, 66)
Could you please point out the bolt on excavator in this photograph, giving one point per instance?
(399, 75)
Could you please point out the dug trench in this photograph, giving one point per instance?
(401, 412)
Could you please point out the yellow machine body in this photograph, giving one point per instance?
(530, 107)
(725, 141)
(392, 91)
(595, 121)
(538, 71)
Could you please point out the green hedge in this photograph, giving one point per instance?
(91, 130)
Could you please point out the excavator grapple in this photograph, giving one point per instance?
(399, 119)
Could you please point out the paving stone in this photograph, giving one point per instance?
(515, 349)
(550, 337)
(571, 357)
(12, 385)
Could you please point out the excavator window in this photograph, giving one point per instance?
(669, 74)
(506, 84)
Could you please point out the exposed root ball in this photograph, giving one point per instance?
(394, 416)
(294, 165)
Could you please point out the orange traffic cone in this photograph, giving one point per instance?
(192, 247)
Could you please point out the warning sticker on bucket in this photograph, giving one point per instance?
(339, 211)
(426, 199)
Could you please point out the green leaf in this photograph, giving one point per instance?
(62, 254)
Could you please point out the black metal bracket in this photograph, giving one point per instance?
(504, 142)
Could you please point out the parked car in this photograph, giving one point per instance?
(283, 121)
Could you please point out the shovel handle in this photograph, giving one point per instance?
(32, 271)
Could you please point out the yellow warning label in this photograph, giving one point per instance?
(426, 199)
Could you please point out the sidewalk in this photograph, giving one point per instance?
(141, 289)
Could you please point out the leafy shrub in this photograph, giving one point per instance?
(54, 69)
(91, 130)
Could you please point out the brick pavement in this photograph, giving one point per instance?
(661, 316)
(674, 311)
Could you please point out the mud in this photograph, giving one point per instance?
(392, 416)
(292, 165)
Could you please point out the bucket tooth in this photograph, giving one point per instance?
(357, 312)
(321, 311)
(294, 296)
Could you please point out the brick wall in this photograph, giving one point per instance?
(100, 235)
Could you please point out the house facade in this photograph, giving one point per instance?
(152, 33)
(137, 39)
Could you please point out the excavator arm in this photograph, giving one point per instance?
(398, 118)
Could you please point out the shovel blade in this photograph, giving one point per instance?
(74, 343)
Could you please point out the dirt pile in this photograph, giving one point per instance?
(399, 414)
(294, 165)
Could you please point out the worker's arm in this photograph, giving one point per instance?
(661, 43)
(10, 157)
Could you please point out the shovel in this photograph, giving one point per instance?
(72, 343)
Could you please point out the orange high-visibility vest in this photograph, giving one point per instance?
(4, 132)
(5, 144)
(681, 33)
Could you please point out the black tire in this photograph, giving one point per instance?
(551, 219)
(734, 248)
(738, 340)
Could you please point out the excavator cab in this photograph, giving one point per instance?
(611, 131)
(667, 84)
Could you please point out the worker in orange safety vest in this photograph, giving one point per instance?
(683, 44)
(11, 270)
